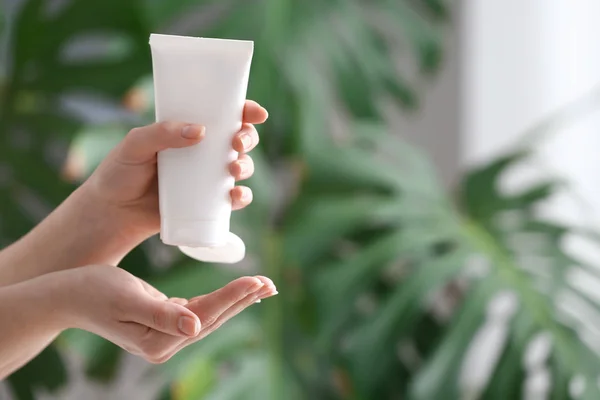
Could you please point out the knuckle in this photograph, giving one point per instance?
(146, 343)
(209, 320)
(134, 132)
(159, 317)
(237, 167)
(164, 128)
(119, 305)
(178, 300)
(151, 351)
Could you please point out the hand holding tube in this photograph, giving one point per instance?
(125, 185)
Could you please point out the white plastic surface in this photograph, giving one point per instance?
(201, 81)
(233, 251)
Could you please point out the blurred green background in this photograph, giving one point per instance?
(391, 286)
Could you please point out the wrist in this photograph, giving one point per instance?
(83, 230)
(38, 304)
(64, 292)
(106, 233)
(56, 293)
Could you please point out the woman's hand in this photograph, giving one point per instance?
(129, 312)
(127, 179)
(125, 185)
(114, 304)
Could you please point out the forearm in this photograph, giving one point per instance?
(31, 316)
(77, 233)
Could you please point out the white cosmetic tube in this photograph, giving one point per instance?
(200, 81)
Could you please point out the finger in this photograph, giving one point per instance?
(226, 316)
(158, 347)
(265, 282)
(242, 168)
(267, 290)
(141, 144)
(164, 316)
(268, 283)
(152, 291)
(237, 308)
(178, 300)
(246, 139)
(209, 307)
(241, 196)
(254, 113)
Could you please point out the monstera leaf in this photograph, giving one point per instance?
(517, 269)
(388, 290)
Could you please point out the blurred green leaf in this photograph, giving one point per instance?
(94, 143)
(508, 381)
(338, 216)
(159, 12)
(349, 278)
(238, 334)
(439, 8)
(398, 315)
(439, 377)
(247, 381)
(104, 366)
(102, 357)
(37, 375)
(195, 382)
(192, 279)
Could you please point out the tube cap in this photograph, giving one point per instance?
(231, 252)
(204, 240)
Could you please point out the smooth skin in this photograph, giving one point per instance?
(62, 274)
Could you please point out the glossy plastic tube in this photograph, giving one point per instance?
(201, 81)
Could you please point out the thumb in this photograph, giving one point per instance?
(167, 317)
(141, 144)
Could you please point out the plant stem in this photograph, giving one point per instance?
(274, 315)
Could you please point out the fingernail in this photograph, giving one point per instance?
(189, 326)
(192, 131)
(267, 292)
(246, 194)
(246, 141)
(269, 281)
